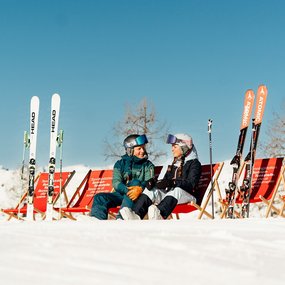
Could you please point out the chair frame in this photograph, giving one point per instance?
(14, 212)
(258, 198)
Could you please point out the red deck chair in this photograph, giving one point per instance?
(96, 181)
(203, 186)
(280, 211)
(266, 179)
(273, 175)
(40, 195)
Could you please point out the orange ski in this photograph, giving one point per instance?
(260, 104)
(245, 189)
(247, 109)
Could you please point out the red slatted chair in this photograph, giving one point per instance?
(40, 195)
(204, 185)
(270, 177)
(99, 181)
(96, 181)
(267, 176)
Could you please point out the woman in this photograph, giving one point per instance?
(177, 186)
(130, 174)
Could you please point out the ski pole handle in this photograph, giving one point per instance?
(210, 122)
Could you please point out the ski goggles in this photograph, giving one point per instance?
(171, 139)
(140, 140)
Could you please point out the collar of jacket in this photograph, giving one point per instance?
(134, 159)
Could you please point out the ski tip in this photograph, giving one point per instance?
(262, 89)
(35, 102)
(249, 94)
(55, 95)
(35, 98)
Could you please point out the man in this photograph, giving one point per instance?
(130, 174)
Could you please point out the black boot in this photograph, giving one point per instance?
(167, 205)
(141, 205)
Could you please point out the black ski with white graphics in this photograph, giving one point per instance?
(32, 142)
(236, 161)
(245, 189)
(55, 107)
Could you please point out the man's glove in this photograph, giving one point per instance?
(150, 183)
(134, 192)
(164, 183)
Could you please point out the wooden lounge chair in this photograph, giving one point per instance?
(99, 181)
(204, 187)
(265, 183)
(40, 195)
(274, 176)
(95, 181)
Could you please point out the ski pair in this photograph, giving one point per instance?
(249, 160)
(32, 143)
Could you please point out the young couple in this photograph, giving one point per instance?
(138, 192)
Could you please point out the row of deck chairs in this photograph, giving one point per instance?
(268, 174)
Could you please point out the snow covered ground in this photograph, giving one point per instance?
(249, 251)
(87, 251)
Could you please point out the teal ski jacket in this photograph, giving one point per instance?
(129, 169)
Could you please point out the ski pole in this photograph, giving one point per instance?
(210, 122)
(251, 165)
(60, 145)
(26, 144)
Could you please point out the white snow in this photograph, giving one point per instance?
(206, 252)
(88, 251)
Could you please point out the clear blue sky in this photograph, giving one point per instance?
(193, 60)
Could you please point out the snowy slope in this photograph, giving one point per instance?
(200, 252)
(88, 251)
(10, 187)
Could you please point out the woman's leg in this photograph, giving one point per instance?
(171, 199)
(143, 202)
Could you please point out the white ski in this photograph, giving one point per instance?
(55, 106)
(34, 117)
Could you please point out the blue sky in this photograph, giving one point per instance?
(193, 60)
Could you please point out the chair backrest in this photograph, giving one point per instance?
(100, 181)
(266, 173)
(203, 186)
(96, 181)
(205, 180)
(40, 194)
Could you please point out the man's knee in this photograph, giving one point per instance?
(100, 199)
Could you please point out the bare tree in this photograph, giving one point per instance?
(275, 145)
(141, 121)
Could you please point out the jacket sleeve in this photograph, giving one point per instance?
(118, 179)
(149, 173)
(191, 179)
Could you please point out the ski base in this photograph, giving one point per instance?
(49, 212)
(30, 212)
